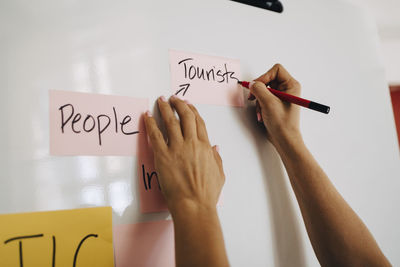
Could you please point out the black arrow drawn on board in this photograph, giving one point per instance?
(184, 88)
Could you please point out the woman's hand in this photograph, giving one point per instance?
(191, 178)
(281, 119)
(189, 170)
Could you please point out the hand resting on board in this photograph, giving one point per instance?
(191, 178)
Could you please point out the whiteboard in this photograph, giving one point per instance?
(121, 48)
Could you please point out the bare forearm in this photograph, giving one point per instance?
(198, 237)
(337, 234)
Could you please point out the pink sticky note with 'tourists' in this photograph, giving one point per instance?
(148, 244)
(203, 79)
(94, 124)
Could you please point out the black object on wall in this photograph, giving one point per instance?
(273, 5)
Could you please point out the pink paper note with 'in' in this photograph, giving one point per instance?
(205, 79)
(93, 124)
(151, 198)
(148, 244)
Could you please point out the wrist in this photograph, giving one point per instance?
(287, 144)
(189, 208)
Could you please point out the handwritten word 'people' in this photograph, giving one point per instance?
(101, 122)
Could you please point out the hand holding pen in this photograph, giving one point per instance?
(280, 119)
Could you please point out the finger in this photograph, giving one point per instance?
(258, 112)
(280, 79)
(200, 125)
(265, 98)
(171, 122)
(276, 73)
(154, 134)
(186, 116)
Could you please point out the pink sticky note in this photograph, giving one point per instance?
(149, 244)
(205, 79)
(94, 124)
(151, 198)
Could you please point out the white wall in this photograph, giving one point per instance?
(387, 16)
(391, 57)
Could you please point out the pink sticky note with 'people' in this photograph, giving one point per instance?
(94, 124)
(203, 79)
(148, 244)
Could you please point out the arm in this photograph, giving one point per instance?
(337, 234)
(191, 178)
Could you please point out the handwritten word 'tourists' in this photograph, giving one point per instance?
(208, 74)
(101, 122)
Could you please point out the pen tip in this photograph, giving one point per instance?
(239, 82)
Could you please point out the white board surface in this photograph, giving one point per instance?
(121, 48)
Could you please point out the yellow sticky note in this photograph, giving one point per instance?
(80, 237)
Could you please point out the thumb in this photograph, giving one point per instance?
(263, 95)
(216, 154)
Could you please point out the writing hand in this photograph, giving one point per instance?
(281, 119)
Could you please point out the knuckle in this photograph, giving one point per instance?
(163, 105)
(200, 121)
(297, 85)
(196, 112)
(193, 108)
(277, 66)
(162, 157)
(176, 103)
(172, 122)
(197, 115)
(188, 116)
(191, 141)
(258, 86)
(155, 135)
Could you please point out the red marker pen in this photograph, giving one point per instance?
(294, 99)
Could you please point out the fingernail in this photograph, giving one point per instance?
(258, 117)
(187, 101)
(177, 97)
(217, 148)
(164, 99)
(148, 114)
(251, 97)
(251, 84)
